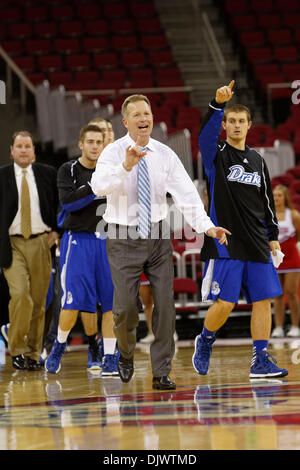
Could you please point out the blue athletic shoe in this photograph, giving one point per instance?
(201, 356)
(263, 365)
(52, 364)
(95, 357)
(110, 364)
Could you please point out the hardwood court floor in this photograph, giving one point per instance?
(223, 410)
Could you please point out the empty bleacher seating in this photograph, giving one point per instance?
(50, 63)
(45, 30)
(19, 30)
(96, 27)
(98, 45)
(267, 36)
(105, 60)
(141, 78)
(131, 59)
(266, 31)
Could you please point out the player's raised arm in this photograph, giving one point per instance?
(211, 125)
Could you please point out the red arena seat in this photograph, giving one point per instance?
(50, 63)
(20, 30)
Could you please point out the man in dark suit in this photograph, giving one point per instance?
(28, 229)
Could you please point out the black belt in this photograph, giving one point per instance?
(135, 227)
(33, 235)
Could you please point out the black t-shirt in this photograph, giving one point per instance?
(240, 195)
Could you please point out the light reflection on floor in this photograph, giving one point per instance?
(76, 409)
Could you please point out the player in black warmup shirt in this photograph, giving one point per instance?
(85, 272)
(240, 199)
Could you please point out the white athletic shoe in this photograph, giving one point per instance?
(293, 332)
(148, 339)
(277, 332)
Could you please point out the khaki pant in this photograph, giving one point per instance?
(28, 280)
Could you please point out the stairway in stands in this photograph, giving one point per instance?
(198, 70)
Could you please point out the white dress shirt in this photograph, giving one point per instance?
(166, 174)
(37, 224)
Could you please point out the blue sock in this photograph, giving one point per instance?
(259, 345)
(206, 334)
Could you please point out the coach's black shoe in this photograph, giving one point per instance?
(19, 362)
(33, 365)
(125, 367)
(163, 383)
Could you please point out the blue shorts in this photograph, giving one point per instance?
(85, 273)
(226, 278)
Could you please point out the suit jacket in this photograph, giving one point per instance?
(45, 177)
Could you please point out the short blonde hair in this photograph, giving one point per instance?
(237, 108)
(89, 128)
(133, 99)
(97, 120)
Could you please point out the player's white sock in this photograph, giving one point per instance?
(109, 345)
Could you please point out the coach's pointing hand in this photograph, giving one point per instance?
(220, 233)
(133, 155)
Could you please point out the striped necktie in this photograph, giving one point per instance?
(26, 229)
(144, 199)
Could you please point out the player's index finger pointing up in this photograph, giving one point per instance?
(231, 84)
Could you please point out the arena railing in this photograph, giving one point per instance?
(12, 69)
(60, 116)
(212, 44)
(180, 142)
(62, 113)
(278, 158)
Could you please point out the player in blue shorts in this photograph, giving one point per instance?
(85, 271)
(240, 199)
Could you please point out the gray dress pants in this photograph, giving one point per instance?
(128, 258)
